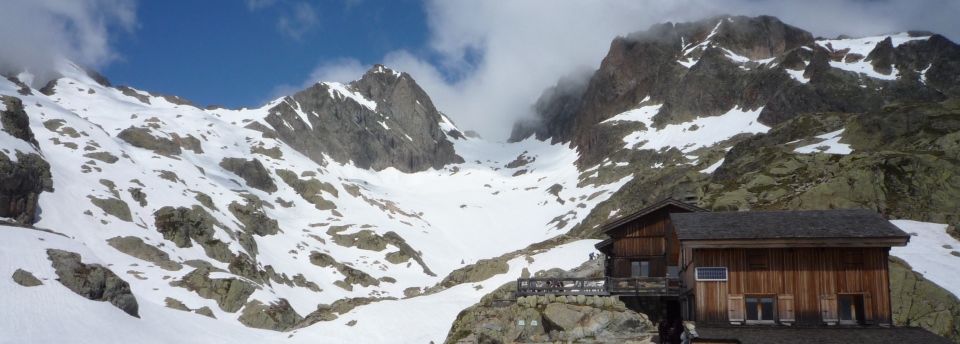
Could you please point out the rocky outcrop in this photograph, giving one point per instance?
(142, 138)
(277, 316)
(902, 165)
(231, 294)
(917, 302)
(328, 312)
(395, 126)
(547, 319)
(113, 206)
(310, 189)
(135, 247)
(27, 174)
(92, 281)
(252, 216)
(25, 278)
(14, 120)
(252, 172)
(482, 270)
(352, 276)
(183, 226)
(23, 181)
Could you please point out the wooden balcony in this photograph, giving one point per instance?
(601, 286)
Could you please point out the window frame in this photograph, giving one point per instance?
(857, 310)
(641, 265)
(774, 315)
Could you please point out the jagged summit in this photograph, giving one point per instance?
(384, 119)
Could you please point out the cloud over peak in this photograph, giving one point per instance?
(38, 32)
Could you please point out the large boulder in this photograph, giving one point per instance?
(25, 278)
(93, 281)
(277, 316)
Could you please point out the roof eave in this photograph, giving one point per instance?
(649, 209)
(795, 242)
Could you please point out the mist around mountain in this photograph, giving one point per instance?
(359, 212)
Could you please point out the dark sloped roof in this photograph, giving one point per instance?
(601, 244)
(824, 335)
(848, 223)
(649, 209)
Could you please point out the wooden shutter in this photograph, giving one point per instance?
(867, 308)
(828, 308)
(785, 308)
(735, 307)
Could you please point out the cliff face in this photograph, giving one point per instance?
(382, 120)
(25, 174)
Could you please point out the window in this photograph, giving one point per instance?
(711, 274)
(759, 308)
(850, 307)
(640, 269)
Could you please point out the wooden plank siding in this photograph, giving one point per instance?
(811, 277)
(647, 238)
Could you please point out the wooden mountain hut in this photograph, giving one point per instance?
(804, 268)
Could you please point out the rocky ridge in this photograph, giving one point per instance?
(382, 120)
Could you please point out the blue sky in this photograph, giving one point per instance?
(234, 53)
(483, 62)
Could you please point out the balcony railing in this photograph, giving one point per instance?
(640, 286)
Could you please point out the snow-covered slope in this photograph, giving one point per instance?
(451, 217)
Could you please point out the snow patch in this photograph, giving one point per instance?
(927, 254)
(708, 131)
(830, 145)
(344, 91)
(713, 167)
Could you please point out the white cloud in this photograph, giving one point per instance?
(300, 21)
(36, 33)
(254, 5)
(341, 70)
(295, 18)
(488, 61)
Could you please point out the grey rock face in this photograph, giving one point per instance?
(349, 131)
(135, 247)
(25, 278)
(277, 316)
(252, 171)
(93, 281)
